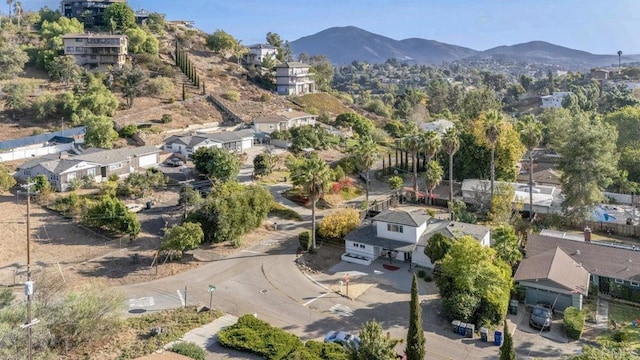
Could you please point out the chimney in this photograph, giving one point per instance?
(587, 234)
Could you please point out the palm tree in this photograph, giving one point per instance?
(431, 144)
(365, 153)
(9, 2)
(314, 176)
(17, 10)
(412, 142)
(451, 144)
(530, 131)
(492, 128)
(619, 60)
(433, 177)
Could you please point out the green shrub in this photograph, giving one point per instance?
(284, 212)
(114, 177)
(305, 240)
(256, 336)
(573, 322)
(421, 273)
(621, 336)
(166, 118)
(265, 97)
(314, 350)
(128, 131)
(189, 349)
(232, 95)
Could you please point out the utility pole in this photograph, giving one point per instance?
(29, 285)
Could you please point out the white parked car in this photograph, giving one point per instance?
(134, 208)
(343, 338)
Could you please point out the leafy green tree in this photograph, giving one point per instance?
(183, 237)
(64, 69)
(603, 353)
(308, 136)
(431, 144)
(433, 177)
(501, 211)
(136, 39)
(322, 71)
(220, 42)
(92, 98)
(217, 163)
(111, 213)
(16, 94)
(507, 352)
(374, 345)
(506, 244)
(415, 334)
(232, 210)
(472, 276)
(314, 176)
(531, 136)
(274, 39)
(359, 124)
(41, 184)
(477, 102)
(100, 132)
(51, 33)
(451, 145)
(119, 16)
(339, 223)
(588, 163)
(6, 180)
(129, 80)
(412, 143)
(617, 97)
(141, 184)
(627, 122)
(395, 183)
(12, 60)
(264, 163)
(364, 154)
(437, 247)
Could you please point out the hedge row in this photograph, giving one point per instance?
(252, 335)
(573, 322)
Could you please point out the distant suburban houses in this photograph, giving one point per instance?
(404, 235)
(546, 199)
(98, 164)
(186, 145)
(554, 100)
(258, 52)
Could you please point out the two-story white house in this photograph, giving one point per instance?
(403, 235)
(294, 78)
(258, 52)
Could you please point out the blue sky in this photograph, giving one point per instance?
(597, 26)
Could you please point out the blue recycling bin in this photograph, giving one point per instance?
(462, 328)
(497, 338)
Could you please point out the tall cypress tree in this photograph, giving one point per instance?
(204, 89)
(506, 350)
(184, 93)
(415, 335)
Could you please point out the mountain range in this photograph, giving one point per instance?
(343, 45)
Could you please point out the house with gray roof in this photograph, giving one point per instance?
(614, 268)
(284, 120)
(40, 145)
(294, 78)
(235, 141)
(258, 52)
(403, 235)
(554, 277)
(98, 164)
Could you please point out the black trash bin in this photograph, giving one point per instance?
(455, 326)
(484, 334)
(469, 330)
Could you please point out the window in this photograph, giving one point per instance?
(115, 166)
(79, 49)
(78, 40)
(395, 228)
(362, 246)
(618, 281)
(69, 48)
(635, 283)
(91, 172)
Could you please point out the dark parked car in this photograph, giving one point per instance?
(541, 316)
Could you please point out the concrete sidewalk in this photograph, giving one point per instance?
(206, 335)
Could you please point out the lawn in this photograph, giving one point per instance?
(277, 176)
(621, 317)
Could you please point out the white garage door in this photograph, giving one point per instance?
(147, 160)
(247, 144)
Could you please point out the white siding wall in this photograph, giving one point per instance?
(409, 234)
(419, 258)
(355, 248)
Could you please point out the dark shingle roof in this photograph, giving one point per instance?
(601, 260)
(556, 266)
(414, 218)
(452, 229)
(219, 137)
(293, 64)
(367, 235)
(42, 138)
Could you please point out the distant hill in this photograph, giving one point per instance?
(343, 45)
